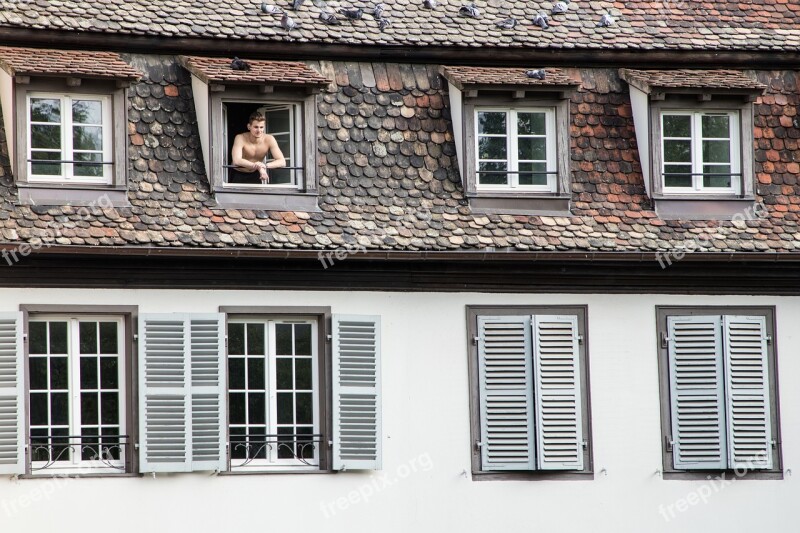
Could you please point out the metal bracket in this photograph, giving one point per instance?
(664, 339)
(669, 442)
(580, 339)
(475, 340)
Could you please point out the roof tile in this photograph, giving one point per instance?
(215, 69)
(48, 62)
(462, 76)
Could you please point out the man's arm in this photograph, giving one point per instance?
(278, 160)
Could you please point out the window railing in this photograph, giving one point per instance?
(55, 451)
(246, 448)
(275, 174)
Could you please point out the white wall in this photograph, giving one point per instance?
(426, 424)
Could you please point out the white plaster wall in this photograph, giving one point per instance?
(426, 420)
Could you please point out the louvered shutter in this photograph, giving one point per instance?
(506, 397)
(12, 402)
(557, 375)
(696, 392)
(747, 392)
(356, 392)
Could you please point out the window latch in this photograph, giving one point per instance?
(580, 339)
(774, 443)
(664, 340)
(768, 338)
(585, 444)
(478, 445)
(475, 341)
(136, 336)
(669, 442)
(329, 337)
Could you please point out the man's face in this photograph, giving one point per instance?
(256, 128)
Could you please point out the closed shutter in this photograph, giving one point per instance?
(697, 392)
(506, 398)
(209, 385)
(12, 401)
(747, 392)
(356, 392)
(557, 375)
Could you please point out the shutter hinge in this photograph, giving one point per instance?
(768, 338)
(475, 341)
(669, 442)
(478, 445)
(136, 336)
(774, 443)
(24, 336)
(329, 337)
(330, 444)
(580, 339)
(585, 444)
(135, 445)
(664, 339)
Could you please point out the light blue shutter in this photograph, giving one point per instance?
(506, 400)
(356, 392)
(12, 401)
(557, 374)
(696, 392)
(747, 392)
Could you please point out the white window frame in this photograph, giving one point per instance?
(78, 465)
(512, 149)
(272, 462)
(67, 169)
(697, 152)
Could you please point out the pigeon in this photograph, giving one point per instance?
(287, 23)
(507, 24)
(269, 9)
(296, 4)
(378, 10)
(382, 23)
(238, 64)
(541, 20)
(429, 4)
(469, 10)
(536, 74)
(560, 7)
(320, 3)
(352, 13)
(329, 18)
(606, 21)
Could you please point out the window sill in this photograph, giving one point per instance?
(267, 199)
(703, 208)
(100, 196)
(274, 471)
(562, 475)
(704, 475)
(511, 203)
(81, 476)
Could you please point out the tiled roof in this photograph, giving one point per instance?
(464, 76)
(48, 62)
(213, 69)
(690, 79)
(756, 25)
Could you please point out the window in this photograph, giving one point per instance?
(69, 138)
(719, 397)
(530, 409)
(77, 394)
(701, 151)
(273, 392)
(516, 149)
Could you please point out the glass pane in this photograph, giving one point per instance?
(87, 138)
(286, 443)
(88, 373)
(61, 451)
(716, 126)
(283, 339)
(255, 373)
(532, 148)
(86, 169)
(257, 405)
(238, 443)
(89, 444)
(677, 176)
(279, 121)
(281, 176)
(45, 110)
(284, 373)
(38, 371)
(531, 123)
(109, 372)
(255, 339)
(302, 378)
(110, 407)
(39, 409)
(46, 169)
(46, 136)
(305, 410)
(88, 337)
(87, 112)
(677, 126)
(492, 122)
(716, 152)
(59, 408)
(258, 442)
(58, 337)
(492, 148)
(678, 151)
(492, 174)
(59, 375)
(285, 408)
(527, 176)
(236, 339)
(305, 445)
(717, 181)
(302, 339)
(37, 333)
(108, 337)
(89, 408)
(235, 373)
(111, 447)
(236, 408)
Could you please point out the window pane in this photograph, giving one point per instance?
(110, 407)
(283, 339)
(89, 444)
(58, 337)
(88, 373)
(108, 337)
(716, 152)
(238, 443)
(58, 373)
(87, 138)
(677, 175)
(45, 136)
(305, 410)
(278, 121)
(492, 122)
(302, 378)
(257, 407)
(492, 148)
(677, 126)
(492, 174)
(236, 408)
(255, 339)
(531, 123)
(235, 373)
(716, 126)
(236, 339)
(46, 169)
(109, 372)
(38, 371)
(59, 408)
(286, 443)
(526, 176)
(282, 176)
(284, 373)
(88, 337)
(716, 181)
(89, 408)
(285, 408)
(89, 170)
(255, 373)
(87, 112)
(532, 148)
(678, 151)
(45, 110)
(302, 339)
(37, 332)
(39, 409)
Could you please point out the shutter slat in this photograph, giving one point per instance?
(12, 404)
(356, 393)
(209, 411)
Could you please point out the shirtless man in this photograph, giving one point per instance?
(249, 151)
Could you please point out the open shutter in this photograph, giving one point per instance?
(696, 392)
(747, 392)
(506, 396)
(209, 384)
(557, 374)
(12, 401)
(356, 392)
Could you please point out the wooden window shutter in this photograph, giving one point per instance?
(557, 374)
(357, 425)
(12, 400)
(506, 396)
(697, 392)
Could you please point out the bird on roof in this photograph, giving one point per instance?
(606, 21)
(296, 4)
(507, 24)
(238, 64)
(352, 13)
(329, 18)
(382, 23)
(470, 11)
(288, 23)
(429, 4)
(560, 7)
(377, 11)
(269, 9)
(536, 74)
(541, 20)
